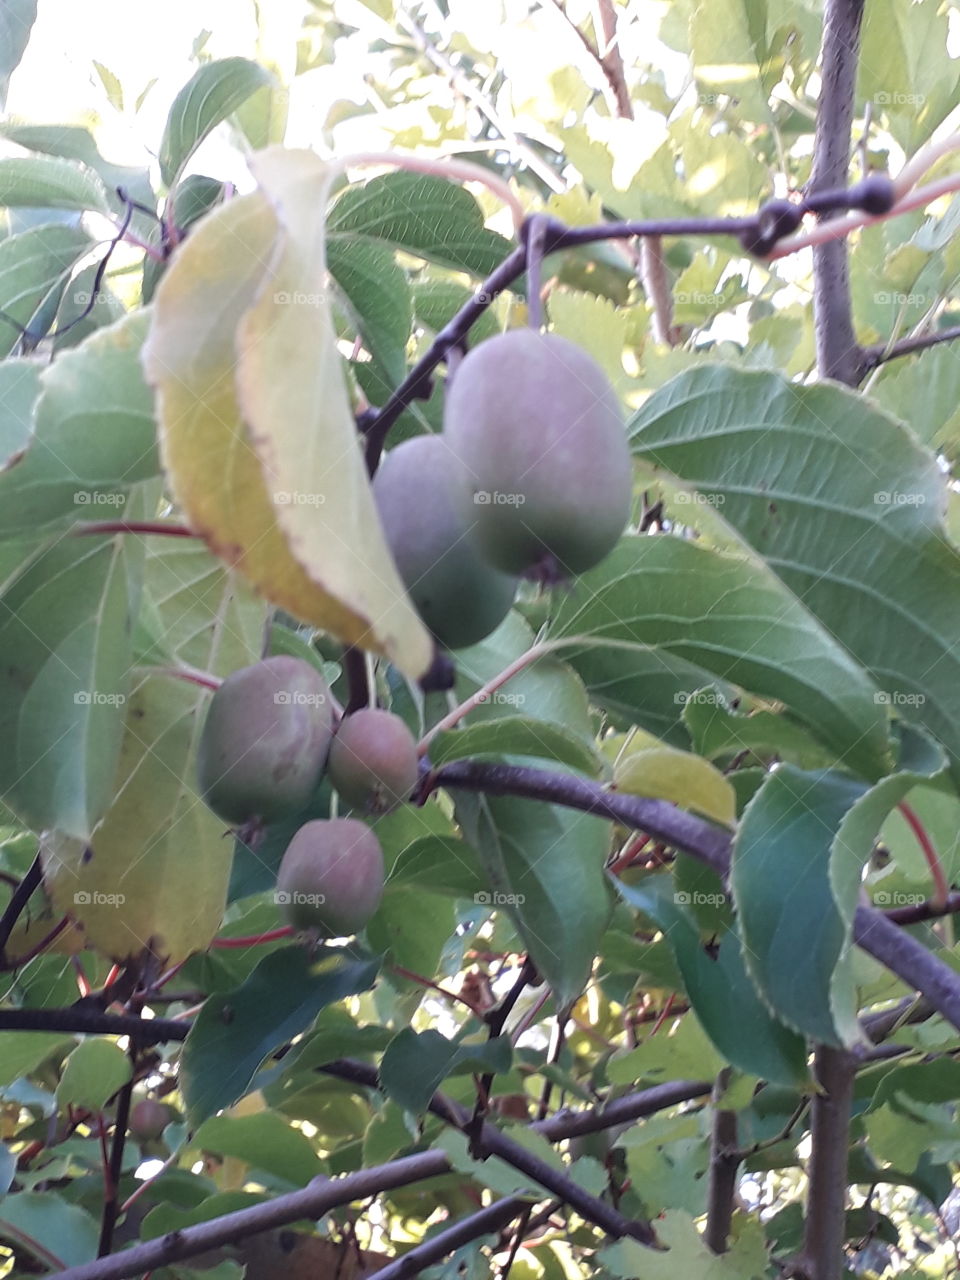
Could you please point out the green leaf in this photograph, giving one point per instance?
(211, 94)
(379, 297)
(16, 22)
(545, 869)
(686, 1255)
(93, 1072)
(798, 859)
(719, 732)
(431, 217)
(94, 435)
(234, 1032)
(729, 617)
(21, 1052)
(729, 52)
(56, 1233)
(265, 1141)
(64, 675)
(33, 263)
(411, 927)
(721, 993)
(414, 1065)
(50, 182)
(521, 736)
(858, 538)
(157, 835)
(19, 390)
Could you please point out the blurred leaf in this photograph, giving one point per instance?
(430, 217)
(702, 606)
(685, 779)
(798, 859)
(520, 735)
(721, 994)
(56, 1233)
(92, 1074)
(859, 539)
(32, 263)
(235, 1032)
(212, 93)
(50, 182)
(264, 1141)
(16, 22)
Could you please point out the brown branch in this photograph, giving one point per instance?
(823, 1257)
(18, 902)
(724, 1170)
(439, 1246)
(312, 1202)
(881, 352)
(838, 353)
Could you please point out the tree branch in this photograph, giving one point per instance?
(838, 354)
(439, 1246)
(312, 1202)
(490, 1141)
(824, 1228)
(724, 1170)
(881, 352)
(18, 902)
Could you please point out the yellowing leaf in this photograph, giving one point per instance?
(294, 400)
(190, 357)
(685, 779)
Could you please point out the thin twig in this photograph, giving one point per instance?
(18, 902)
(881, 352)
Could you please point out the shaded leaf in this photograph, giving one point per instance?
(211, 94)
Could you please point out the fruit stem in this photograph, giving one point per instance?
(448, 167)
(454, 717)
(941, 890)
(190, 674)
(435, 986)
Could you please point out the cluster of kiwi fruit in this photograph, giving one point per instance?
(530, 477)
(268, 739)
